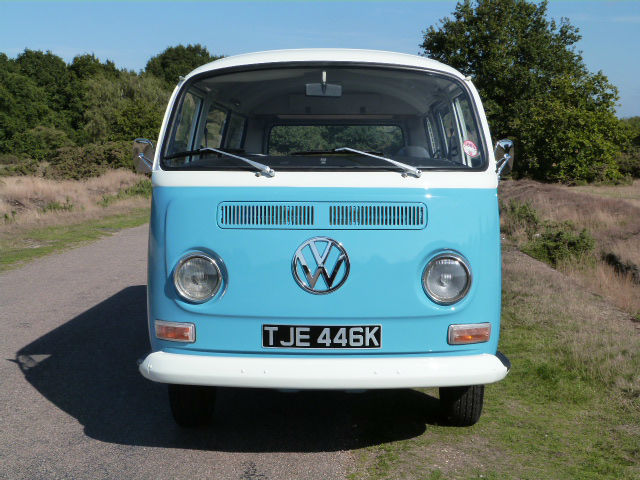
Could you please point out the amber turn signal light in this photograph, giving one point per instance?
(469, 333)
(175, 331)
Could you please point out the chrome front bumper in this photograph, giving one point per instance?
(324, 373)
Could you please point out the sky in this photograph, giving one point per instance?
(129, 33)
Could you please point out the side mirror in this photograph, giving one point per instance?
(504, 156)
(143, 152)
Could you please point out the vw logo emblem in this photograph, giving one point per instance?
(327, 258)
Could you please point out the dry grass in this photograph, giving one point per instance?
(628, 249)
(611, 217)
(31, 202)
(596, 338)
(601, 279)
(629, 193)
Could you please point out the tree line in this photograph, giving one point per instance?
(78, 119)
(75, 120)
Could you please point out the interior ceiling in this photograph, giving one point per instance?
(282, 91)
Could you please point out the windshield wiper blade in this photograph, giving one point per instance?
(406, 169)
(263, 169)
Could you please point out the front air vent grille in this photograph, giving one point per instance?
(265, 215)
(322, 215)
(378, 215)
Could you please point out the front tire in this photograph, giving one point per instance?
(192, 405)
(461, 406)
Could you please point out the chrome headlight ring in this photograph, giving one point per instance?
(448, 270)
(204, 269)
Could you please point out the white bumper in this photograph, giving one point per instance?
(323, 373)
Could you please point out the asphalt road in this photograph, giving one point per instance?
(73, 405)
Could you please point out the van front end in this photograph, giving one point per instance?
(346, 238)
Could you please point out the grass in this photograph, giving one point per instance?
(32, 201)
(42, 216)
(594, 238)
(37, 242)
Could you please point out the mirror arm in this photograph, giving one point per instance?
(502, 163)
(146, 161)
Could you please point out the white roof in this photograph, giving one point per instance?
(326, 55)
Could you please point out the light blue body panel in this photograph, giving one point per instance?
(383, 288)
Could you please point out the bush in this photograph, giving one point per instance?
(142, 189)
(629, 163)
(560, 242)
(516, 215)
(39, 142)
(547, 241)
(89, 161)
(14, 165)
(67, 206)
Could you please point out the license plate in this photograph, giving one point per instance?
(315, 336)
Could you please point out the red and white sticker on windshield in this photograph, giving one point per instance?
(470, 148)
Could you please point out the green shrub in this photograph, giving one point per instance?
(9, 159)
(142, 189)
(39, 142)
(14, 165)
(560, 242)
(516, 215)
(58, 207)
(10, 218)
(89, 161)
(629, 163)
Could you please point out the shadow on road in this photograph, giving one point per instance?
(87, 367)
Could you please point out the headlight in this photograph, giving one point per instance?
(197, 277)
(447, 278)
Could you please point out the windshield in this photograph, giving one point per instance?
(313, 118)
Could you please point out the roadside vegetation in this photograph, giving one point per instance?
(40, 215)
(66, 132)
(591, 234)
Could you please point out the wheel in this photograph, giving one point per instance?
(461, 406)
(192, 405)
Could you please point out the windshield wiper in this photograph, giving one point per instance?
(265, 170)
(406, 169)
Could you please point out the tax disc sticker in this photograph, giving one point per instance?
(470, 148)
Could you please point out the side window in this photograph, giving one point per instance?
(186, 123)
(214, 126)
(235, 131)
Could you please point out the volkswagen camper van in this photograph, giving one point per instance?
(324, 219)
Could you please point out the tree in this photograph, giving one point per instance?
(23, 104)
(176, 61)
(534, 86)
(124, 108)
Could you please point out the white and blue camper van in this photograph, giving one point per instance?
(324, 219)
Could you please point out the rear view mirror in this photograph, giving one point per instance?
(143, 153)
(504, 156)
(324, 89)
